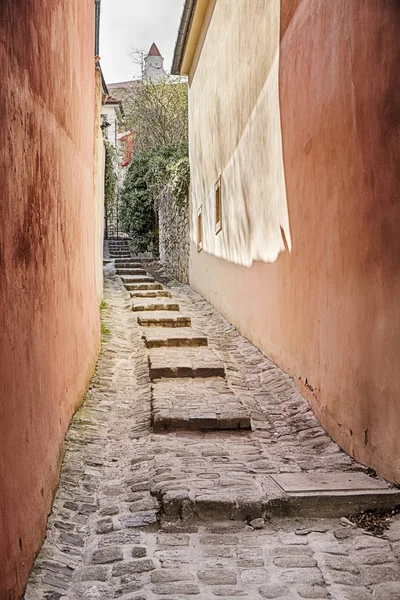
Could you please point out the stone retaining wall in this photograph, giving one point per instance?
(174, 237)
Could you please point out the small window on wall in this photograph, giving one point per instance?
(199, 229)
(218, 206)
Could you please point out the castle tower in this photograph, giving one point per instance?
(154, 65)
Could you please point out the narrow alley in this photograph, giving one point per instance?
(199, 300)
(196, 469)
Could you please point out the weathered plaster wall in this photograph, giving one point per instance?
(238, 100)
(99, 153)
(328, 311)
(173, 220)
(49, 318)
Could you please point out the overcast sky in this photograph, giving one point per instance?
(129, 24)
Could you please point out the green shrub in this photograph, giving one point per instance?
(148, 175)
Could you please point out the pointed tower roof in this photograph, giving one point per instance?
(154, 51)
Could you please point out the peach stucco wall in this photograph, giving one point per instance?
(328, 311)
(49, 313)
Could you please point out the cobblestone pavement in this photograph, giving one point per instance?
(122, 524)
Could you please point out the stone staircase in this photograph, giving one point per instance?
(191, 394)
(189, 387)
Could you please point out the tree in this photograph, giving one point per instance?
(157, 113)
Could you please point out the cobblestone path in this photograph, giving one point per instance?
(142, 515)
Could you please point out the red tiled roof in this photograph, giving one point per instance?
(154, 51)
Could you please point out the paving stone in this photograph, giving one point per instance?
(217, 576)
(372, 556)
(342, 534)
(138, 552)
(104, 526)
(363, 542)
(107, 555)
(273, 590)
(112, 510)
(164, 589)
(119, 537)
(217, 540)
(311, 576)
(387, 590)
(287, 551)
(289, 562)
(98, 573)
(340, 563)
(170, 575)
(325, 482)
(382, 573)
(230, 592)
(128, 587)
(218, 552)
(254, 576)
(312, 591)
(353, 593)
(166, 539)
(137, 566)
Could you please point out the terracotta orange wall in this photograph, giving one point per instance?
(328, 312)
(49, 317)
(340, 288)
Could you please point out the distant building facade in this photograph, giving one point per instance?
(111, 113)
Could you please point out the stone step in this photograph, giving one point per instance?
(126, 264)
(211, 489)
(123, 256)
(199, 405)
(159, 337)
(143, 286)
(154, 305)
(137, 278)
(130, 271)
(151, 294)
(184, 362)
(331, 494)
(164, 319)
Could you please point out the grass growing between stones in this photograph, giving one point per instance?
(105, 331)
